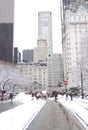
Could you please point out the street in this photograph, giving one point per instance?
(51, 117)
(6, 105)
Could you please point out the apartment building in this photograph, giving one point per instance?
(34, 73)
(75, 28)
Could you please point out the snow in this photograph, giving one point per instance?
(18, 118)
(78, 106)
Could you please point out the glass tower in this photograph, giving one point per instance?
(45, 29)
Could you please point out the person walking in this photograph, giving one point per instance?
(66, 96)
(55, 95)
(11, 96)
(71, 96)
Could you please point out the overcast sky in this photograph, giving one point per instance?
(26, 23)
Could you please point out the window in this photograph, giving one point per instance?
(76, 43)
(76, 48)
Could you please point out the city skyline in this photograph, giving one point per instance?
(26, 23)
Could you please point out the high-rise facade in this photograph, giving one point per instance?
(74, 31)
(28, 55)
(16, 55)
(6, 30)
(45, 33)
(45, 29)
(40, 52)
(57, 70)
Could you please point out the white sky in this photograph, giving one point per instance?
(26, 23)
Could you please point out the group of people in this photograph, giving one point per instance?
(2, 96)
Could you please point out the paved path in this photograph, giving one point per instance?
(6, 105)
(51, 117)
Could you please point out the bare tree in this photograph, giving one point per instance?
(11, 79)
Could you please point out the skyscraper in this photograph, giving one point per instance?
(28, 55)
(74, 34)
(17, 55)
(6, 30)
(45, 33)
(45, 29)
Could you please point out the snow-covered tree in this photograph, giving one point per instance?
(11, 79)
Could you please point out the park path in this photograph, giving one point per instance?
(51, 117)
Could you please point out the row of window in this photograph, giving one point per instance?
(76, 18)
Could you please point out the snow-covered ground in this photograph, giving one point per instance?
(78, 106)
(20, 117)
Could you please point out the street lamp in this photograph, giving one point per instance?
(82, 84)
(81, 79)
(66, 76)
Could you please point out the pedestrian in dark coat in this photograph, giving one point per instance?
(71, 96)
(11, 96)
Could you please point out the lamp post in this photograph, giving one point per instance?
(82, 84)
(81, 79)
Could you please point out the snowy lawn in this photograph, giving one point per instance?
(20, 117)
